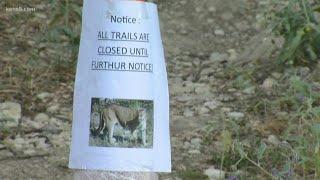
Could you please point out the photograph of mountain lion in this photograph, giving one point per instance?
(121, 123)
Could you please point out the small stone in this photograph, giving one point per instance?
(212, 9)
(276, 75)
(304, 71)
(30, 152)
(207, 71)
(249, 90)
(184, 98)
(233, 55)
(27, 124)
(272, 139)
(41, 144)
(194, 151)
(196, 142)
(179, 88)
(27, 145)
(218, 57)
(212, 104)
(268, 84)
(210, 20)
(226, 109)
(41, 117)
(10, 113)
(53, 109)
(186, 145)
(188, 113)
(226, 98)
(236, 115)
(214, 174)
(51, 128)
(41, 15)
(2, 146)
(44, 96)
(232, 90)
(6, 154)
(198, 9)
(227, 16)
(203, 110)
(219, 32)
(202, 89)
(242, 26)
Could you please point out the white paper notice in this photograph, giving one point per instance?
(121, 101)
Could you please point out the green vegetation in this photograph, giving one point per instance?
(192, 174)
(280, 138)
(297, 23)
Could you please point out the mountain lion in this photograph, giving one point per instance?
(128, 118)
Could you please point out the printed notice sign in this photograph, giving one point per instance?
(121, 101)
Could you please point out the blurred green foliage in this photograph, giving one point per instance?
(298, 22)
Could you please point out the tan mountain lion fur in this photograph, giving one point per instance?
(128, 118)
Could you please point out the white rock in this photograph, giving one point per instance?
(218, 57)
(210, 20)
(219, 32)
(227, 16)
(268, 84)
(2, 146)
(53, 109)
(232, 90)
(272, 139)
(30, 152)
(186, 145)
(236, 115)
(201, 89)
(6, 154)
(214, 174)
(179, 88)
(184, 98)
(203, 110)
(10, 113)
(242, 26)
(196, 142)
(226, 98)
(44, 96)
(276, 75)
(41, 144)
(226, 109)
(42, 120)
(28, 124)
(233, 55)
(212, 104)
(249, 90)
(207, 71)
(188, 113)
(41, 117)
(194, 151)
(23, 145)
(212, 9)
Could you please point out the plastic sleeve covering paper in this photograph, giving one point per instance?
(121, 100)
